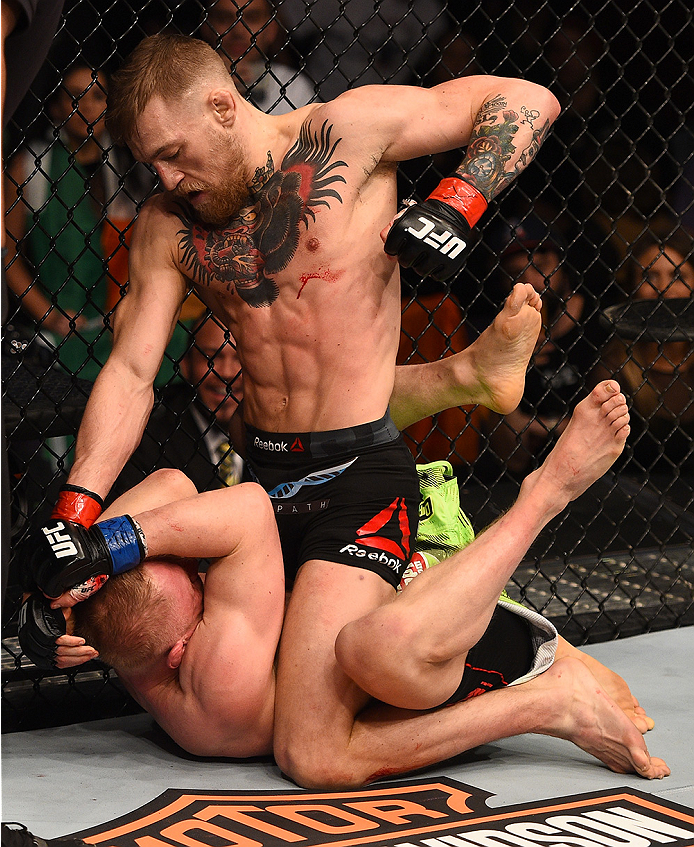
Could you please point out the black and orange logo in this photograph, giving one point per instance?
(437, 813)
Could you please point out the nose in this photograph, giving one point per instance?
(169, 175)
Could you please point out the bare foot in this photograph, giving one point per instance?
(617, 689)
(612, 683)
(581, 711)
(501, 354)
(593, 439)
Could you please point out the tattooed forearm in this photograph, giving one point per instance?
(490, 163)
(526, 155)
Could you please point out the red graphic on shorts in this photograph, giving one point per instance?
(377, 523)
(297, 446)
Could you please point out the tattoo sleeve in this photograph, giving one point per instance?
(490, 162)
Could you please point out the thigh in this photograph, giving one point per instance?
(316, 702)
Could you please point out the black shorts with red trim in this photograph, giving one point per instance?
(349, 496)
(504, 654)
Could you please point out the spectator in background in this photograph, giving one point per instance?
(188, 428)
(364, 44)
(536, 254)
(68, 224)
(249, 36)
(658, 377)
(573, 59)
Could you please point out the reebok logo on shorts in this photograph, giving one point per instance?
(388, 532)
(272, 446)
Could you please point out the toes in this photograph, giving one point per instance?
(517, 298)
(606, 389)
(618, 415)
(642, 723)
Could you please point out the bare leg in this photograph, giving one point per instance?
(564, 702)
(490, 372)
(320, 743)
(439, 616)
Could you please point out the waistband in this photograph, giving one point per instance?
(317, 445)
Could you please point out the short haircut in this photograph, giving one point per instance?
(126, 621)
(164, 65)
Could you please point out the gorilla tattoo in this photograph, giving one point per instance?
(263, 238)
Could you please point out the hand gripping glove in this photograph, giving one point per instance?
(433, 237)
(78, 505)
(67, 554)
(39, 626)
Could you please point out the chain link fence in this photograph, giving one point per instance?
(601, 222)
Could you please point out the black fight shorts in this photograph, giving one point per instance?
(503, 654)
(349, 496)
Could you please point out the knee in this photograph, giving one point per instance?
(386, 656)
(175, 482)
(315, 767)
(371, 646)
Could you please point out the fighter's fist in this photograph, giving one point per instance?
(434, 237)
(67, 554)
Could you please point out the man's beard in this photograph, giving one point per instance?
(224, 200)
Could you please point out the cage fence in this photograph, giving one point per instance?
(601, 223)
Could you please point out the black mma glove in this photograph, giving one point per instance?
(39, 626)
(66, 554)
(433, 237)
(78, 505)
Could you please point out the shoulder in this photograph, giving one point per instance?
(359, 125)
(158, 221)
(351, 108)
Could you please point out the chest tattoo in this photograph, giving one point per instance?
(263, 238)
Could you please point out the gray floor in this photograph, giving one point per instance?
(59, 781)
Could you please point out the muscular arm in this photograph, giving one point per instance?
(122, 397)
(502, 121)
(225, 703)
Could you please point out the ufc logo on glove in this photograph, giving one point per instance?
(445, 242)
(60, 543)
(443, 222)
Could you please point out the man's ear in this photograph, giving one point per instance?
(175, 657)
(224, 106)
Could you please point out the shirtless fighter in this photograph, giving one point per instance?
(206, 673)
(277, 222)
